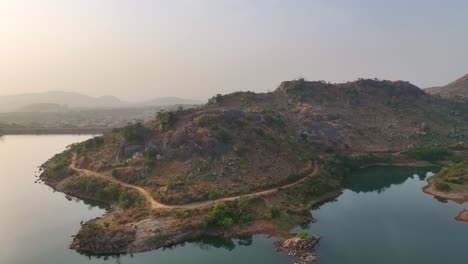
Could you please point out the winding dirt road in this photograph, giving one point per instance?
(157, 205)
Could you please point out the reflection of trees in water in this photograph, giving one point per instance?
(440, 199)
(208, 243)
(380, 178)
(117, 258)
(90, 203)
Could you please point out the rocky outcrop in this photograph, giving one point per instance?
(303, 249)
(97, 240)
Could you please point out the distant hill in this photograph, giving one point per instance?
(55, 100)
(172, 101)
(457, 90)
(72, 100)
(42, 108)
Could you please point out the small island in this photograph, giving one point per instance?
(247, 163)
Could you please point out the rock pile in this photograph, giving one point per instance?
(300, 248)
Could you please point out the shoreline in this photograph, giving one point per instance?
(462, 216)
(161, 228)
(158, 230)
(146, 241)
(459, 198)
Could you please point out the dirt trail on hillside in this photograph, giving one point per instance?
(157, 205)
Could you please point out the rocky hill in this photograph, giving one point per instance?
(245, 142)
(457, 90)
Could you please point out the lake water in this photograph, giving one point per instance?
(383, 217)
(36, 224)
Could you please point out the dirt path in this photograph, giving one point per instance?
(157, 205)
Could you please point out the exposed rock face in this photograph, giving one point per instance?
(300, 248)
(99, 241)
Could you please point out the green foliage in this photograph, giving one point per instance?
(458, 146)
(58, 166)
(272, 212)
(303, 234)
(442, 186)
(215, 99)
(211, 194)
(428, 154)
(228, 214)
(105, 191)
(227, 222)
(129, 132)
(127, 200)
(90, 230)
(166, 119)
(90, 144)
(151, 154)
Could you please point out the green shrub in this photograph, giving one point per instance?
(273, 212)
(166, 119)
(443, 186)
(227, 222)
(151, 154)
(129, 132)
(228, 214)
(303, 234)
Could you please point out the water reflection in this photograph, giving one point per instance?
(381, 178)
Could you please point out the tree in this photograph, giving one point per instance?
(166, 119)
(227, 223)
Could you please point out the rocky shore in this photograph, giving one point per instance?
(430, 188)
(462, 216)
(300, 248)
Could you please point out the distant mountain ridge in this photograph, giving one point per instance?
(70, 100)
(172, 101)
(457, 90)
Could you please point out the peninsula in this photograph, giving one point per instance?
(247, 163)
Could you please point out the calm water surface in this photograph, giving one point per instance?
(36, 224)
(382, 217)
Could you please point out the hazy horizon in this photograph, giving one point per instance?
(195, 49)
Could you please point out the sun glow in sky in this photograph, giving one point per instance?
(137, 49)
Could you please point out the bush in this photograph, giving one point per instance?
(151, 154)
(303, 234)
(443, 186)
(166, 119)
(231, 213)
(273, 212)
(130, 132)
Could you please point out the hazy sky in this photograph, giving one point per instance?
(147, 48)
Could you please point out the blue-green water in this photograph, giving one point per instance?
(383, 217)
(36, 224)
